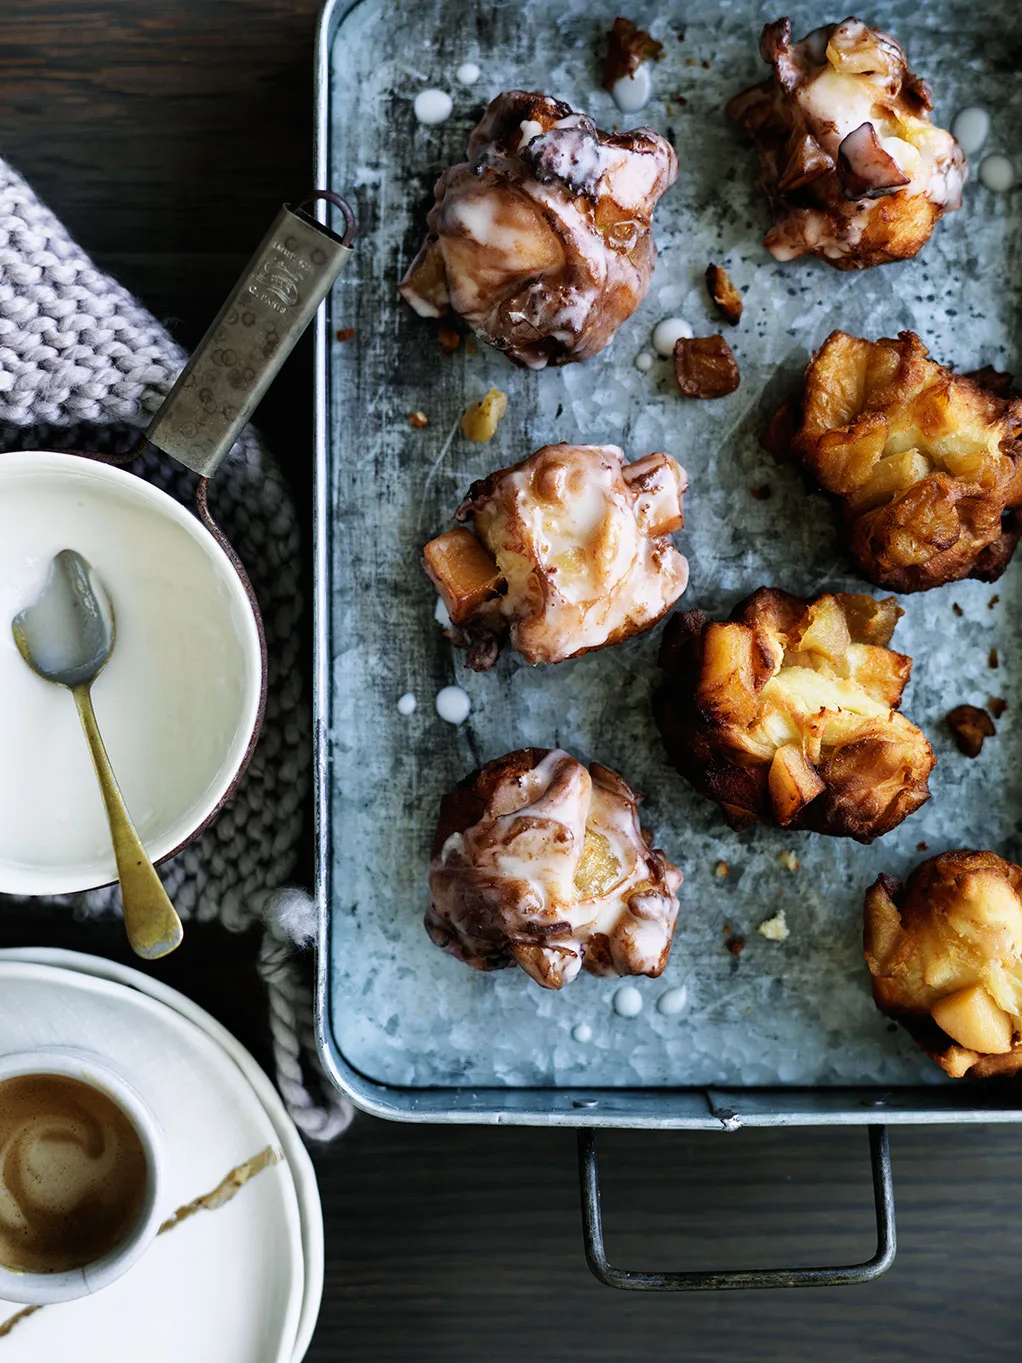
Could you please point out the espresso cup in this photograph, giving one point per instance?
(81, 1173)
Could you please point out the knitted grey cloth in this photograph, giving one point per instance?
(83, 365)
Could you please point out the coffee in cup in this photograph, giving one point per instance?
(73, 1174)
(81, 1174)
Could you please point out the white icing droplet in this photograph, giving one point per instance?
(644, 361)
(468, 73)
(632, 93)
(672, 1001)
(406, 704)
(668, 331)
(997, 173)
(453, 704)
(433, 106)
(971, 129)
(628, 1001)
(441, 614)
(582, 1032)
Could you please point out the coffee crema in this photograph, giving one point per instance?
(73, 1174)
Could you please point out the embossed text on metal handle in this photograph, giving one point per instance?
(272, 304)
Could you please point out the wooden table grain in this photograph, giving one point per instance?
(165, 133)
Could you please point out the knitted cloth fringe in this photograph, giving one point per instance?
(84, 366)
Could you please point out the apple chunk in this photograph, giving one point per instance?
(973, 1019)
(793, 782)
(728, 688)
(463, 572)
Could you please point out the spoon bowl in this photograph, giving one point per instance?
(67, 636)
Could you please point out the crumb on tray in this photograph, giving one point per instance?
(449, 339)
(970, 726)
(705, 367)
(721, 870)
(628, 46)
(725, 296)
(775, 929)
(481, 419)
(997, 706)
(789, 860)
(345, 333)
(418, 419)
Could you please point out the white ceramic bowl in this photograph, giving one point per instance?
(41, 1289)
(178, 702)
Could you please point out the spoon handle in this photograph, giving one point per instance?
(153, 926)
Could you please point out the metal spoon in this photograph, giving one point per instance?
(67, 638)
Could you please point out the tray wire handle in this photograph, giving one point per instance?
(704, 1280)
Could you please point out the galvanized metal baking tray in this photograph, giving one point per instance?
(786, 1034)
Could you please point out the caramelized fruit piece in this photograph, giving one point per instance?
(463, 572)
(970, 1017)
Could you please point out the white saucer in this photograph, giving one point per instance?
(302, 1170)
(237, 1275)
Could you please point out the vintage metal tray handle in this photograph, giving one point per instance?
(273, 302)
(705, 1280)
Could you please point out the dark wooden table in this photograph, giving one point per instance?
(165, 133)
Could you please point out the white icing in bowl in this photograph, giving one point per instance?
(177, 703)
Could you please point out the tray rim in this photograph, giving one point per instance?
(693, 1109)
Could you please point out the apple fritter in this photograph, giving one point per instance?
(569, 551)
(542, 863)
(924, 464)
(542, 239)
(854, 168)
(945, 953)
(787, 712)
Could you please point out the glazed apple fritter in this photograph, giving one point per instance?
(542, 239)
(787, 713)
(541, 863)
(569, 551)
(855, 170)
(945, 953)
(924, 463)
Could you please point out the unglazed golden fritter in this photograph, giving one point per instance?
(569, 551)
(542, 863)
(787, 713)
(542, 239)
(855, 171)
(923, 462)
(945, 953)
